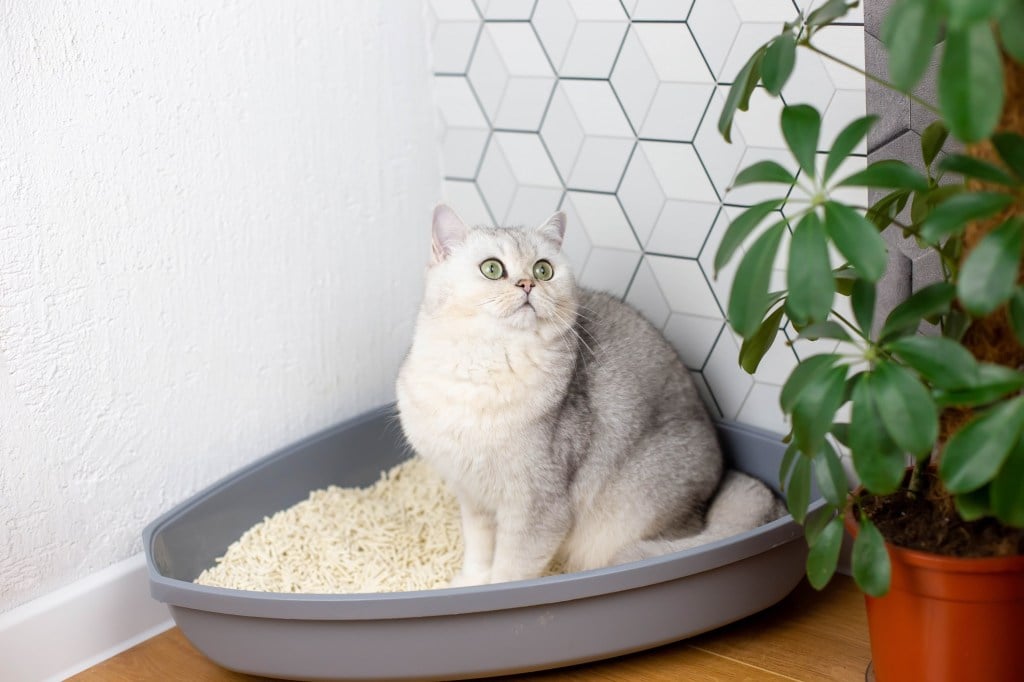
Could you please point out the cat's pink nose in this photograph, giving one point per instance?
(526, 284)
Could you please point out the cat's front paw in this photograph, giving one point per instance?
(463, 579)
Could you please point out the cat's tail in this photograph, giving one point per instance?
(742, 503)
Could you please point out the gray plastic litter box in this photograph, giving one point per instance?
(450, 633)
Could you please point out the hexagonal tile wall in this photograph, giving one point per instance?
(454, 27)
(582, 37)
(511, 75)
(463, 128)
(587, 135)
(662, 80)
(608, 109)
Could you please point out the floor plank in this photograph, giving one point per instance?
(809, 636)
(665, 664)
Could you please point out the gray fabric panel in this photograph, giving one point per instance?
(898, 137)
(895, 105)
(874, 10)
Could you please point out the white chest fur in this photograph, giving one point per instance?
(474, 405)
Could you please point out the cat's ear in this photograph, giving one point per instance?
(448, 232)
(554, 228)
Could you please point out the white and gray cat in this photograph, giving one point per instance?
(564, 422)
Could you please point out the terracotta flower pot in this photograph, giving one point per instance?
(947, 618)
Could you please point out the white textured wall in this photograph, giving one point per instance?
(213, 222)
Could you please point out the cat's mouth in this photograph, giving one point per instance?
(525, 309)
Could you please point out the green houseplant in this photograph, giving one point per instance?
(922, 400)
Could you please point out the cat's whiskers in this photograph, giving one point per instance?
(572, 330)
(576, 313)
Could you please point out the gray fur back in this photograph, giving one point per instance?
(629, 389)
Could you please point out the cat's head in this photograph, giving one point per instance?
(514, 278)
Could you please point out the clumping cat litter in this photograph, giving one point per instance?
(399, 534)
(301, 630)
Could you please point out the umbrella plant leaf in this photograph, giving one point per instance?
(1007, 493)
(862, 301)
(824, 554)
(803, 374)
(786, 466)
(816, 521)
(1011, 31)
(798, 492)
(910, 31)
(857, 239)
(816, 407)
(932, 139)
(971, 167)
(888, 174)
(753, 349)
(809, 275)
(952, 215)
(906, 408)
(884, 211)
(824, 330)
(988, 276)
(974, 505)
(846, 141)
(974, 454)
(749, 298)
(967, 12)
(801, 126)
(778, 62)
(870, 560)
(877, 460)
(933, 299)
(841, 430)
(830, 475)
(740, 228)
(993, 382)
(970, 88)
(829, 12)
(739, 94)
(764, 171)
(1010, 146)
(1015, 311)
(943, 362)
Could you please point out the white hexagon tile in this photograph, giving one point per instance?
(454, 27)
(662, 80)
(608, 109)
(511, 75)
(517, 179)
(581, 37)
(587, 135)
(462, 126)
(610, 257)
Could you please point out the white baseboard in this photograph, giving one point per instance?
(74, 628)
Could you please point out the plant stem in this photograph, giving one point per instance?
(880, 81)
(849, 324)
(916, 477)
(911, 229)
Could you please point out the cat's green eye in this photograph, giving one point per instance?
(492, 268)
(543, 271)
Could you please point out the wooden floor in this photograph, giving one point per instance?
(808, 636)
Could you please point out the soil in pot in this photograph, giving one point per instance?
(927, 521)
